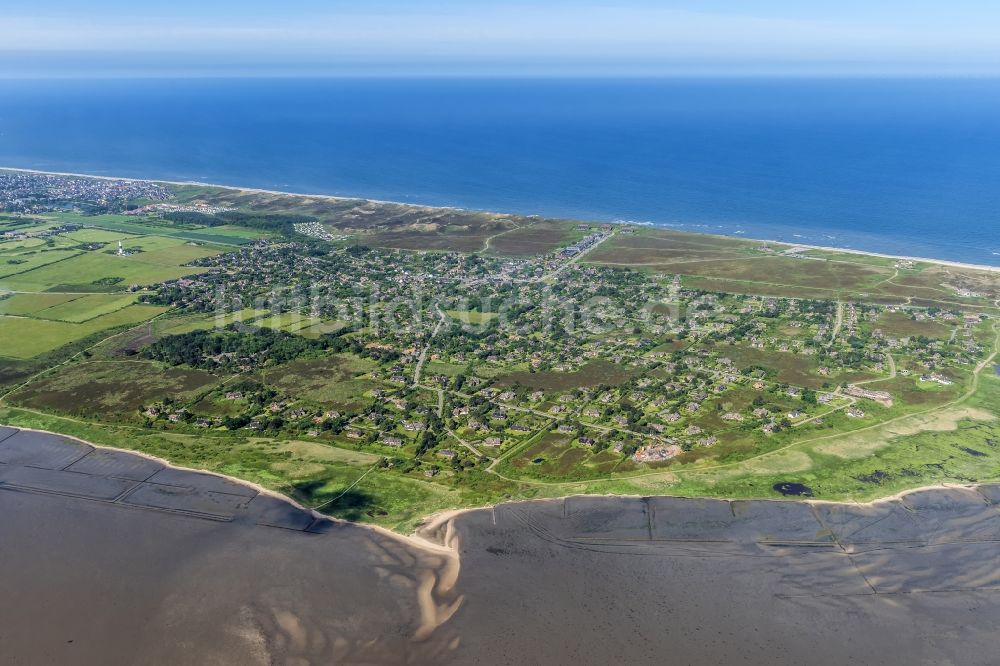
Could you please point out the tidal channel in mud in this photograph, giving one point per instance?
(109, 558)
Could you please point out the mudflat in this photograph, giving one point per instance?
(667, 580)
(115, 559)
(111, 558)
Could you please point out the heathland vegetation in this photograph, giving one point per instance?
(424, 359)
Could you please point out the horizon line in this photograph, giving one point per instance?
(484, 75)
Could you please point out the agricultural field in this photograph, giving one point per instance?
(186, 323)
(26, 337)
(27, 304)
(290, 321)
(18, 263)
(85, 308)
(94, 271)
(68, 284)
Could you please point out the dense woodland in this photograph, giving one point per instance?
(231, 348)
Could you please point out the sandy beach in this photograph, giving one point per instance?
(942, 262)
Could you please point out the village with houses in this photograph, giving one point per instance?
(563, 356)
(471, 358)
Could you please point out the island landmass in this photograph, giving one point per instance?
(381, 362)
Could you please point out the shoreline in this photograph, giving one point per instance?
(434, 521)
(414, 539)
(334, 197)
(867, 253)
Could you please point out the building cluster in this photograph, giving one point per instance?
(617, 361)
(24, 192)
(161, 208)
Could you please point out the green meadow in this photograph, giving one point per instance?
(86, 307)
(24, 337)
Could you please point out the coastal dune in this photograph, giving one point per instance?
(107, 557)
(331, 197)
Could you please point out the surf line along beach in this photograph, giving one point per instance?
(217, 568)
(331, 197)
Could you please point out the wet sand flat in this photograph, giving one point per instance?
(110, 558)
(692, 581)
(195, 570)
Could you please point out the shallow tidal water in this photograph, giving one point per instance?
(108, 558)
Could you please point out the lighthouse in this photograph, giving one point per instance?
(121, 250)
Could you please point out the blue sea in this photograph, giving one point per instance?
(907, 167)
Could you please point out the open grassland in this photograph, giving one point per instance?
(28, 304)
(16, 246)
(175, 255)
(771, 289)
(231, 231)
(652, 247)
(557, 457)
(107, 390)
(173, 325)
(434, 367)
(24, 337)
(870, 260)
(12, 265)
(98, 271)
(899, 324)
(99, 236)
(285, 321)
(402, 226)
(837, 280)
(124, 224)
(320, 328)
(473, 317)
(592, 374)
(339, 381)
(535, 238)
(788, 367)
(730, 265)
(86, 307)
(465, 240)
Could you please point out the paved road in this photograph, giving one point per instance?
(423, 352)
(574, 259)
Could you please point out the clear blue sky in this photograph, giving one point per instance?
(50, 37)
